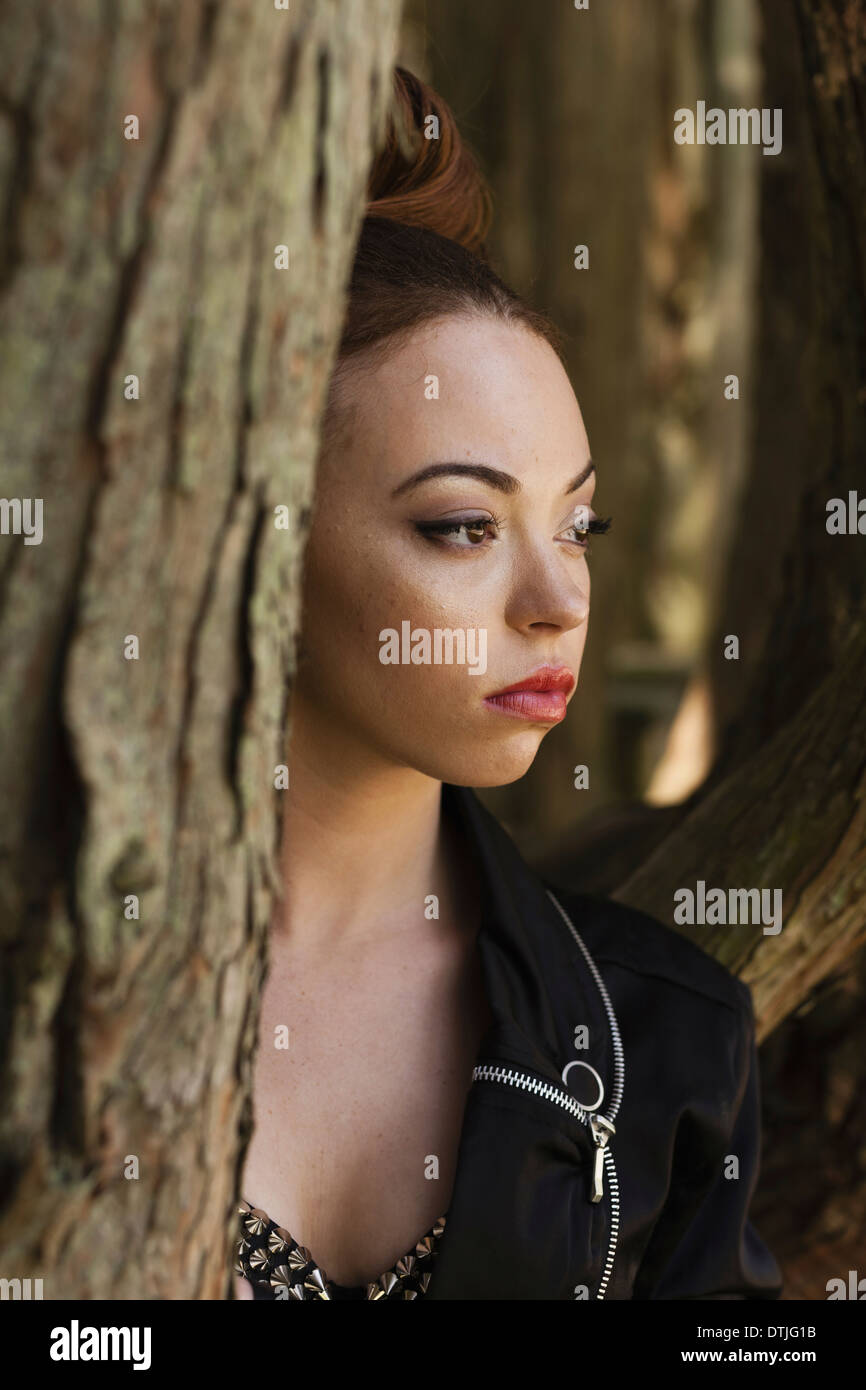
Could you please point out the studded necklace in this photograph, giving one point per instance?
(268, 1256)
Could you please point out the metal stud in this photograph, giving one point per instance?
(301, 1278)
(315, 1282)
(279, 1240)
(256, 1221)
(281, 1277)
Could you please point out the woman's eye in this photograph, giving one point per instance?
(467, 534)
(474, 531)
(579, 533)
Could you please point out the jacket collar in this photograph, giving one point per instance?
(536, 980)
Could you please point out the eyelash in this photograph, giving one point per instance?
(596, 527)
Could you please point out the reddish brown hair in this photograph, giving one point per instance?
(429, 182)
(422, 249)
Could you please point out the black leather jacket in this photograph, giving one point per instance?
(669, 1033)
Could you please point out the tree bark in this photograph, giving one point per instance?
(127, 1040)
(792, 590)
(792, 817)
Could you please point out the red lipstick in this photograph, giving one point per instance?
(540, 698)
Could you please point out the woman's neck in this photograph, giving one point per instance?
(363, 847)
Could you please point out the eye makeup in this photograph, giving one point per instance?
(476, 530)
(474, 527)
(595, 526)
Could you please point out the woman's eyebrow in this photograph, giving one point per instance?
(494, 477)
(581, 477)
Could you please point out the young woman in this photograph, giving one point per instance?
(490, 1089)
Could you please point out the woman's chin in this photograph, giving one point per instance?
(491, 767)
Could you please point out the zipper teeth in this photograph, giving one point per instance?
(526, 1082)
(618, 1084)
(613, 1188)
(618, 1056)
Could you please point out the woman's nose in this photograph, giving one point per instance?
(548, 591)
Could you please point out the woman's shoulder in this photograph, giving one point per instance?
(633, 940)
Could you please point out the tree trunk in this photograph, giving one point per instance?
(792, 590)
(792, 817)
(138, 802)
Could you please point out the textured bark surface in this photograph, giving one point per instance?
(792, 817)
(156, 257)
(813, 1078)
(791, 589)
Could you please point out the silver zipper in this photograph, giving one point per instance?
(601, 1127)
(490, 1071)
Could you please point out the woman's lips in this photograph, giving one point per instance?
(540, 698)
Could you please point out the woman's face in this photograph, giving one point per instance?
(407, 567)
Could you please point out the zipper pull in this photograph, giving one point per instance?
(602, 1129)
